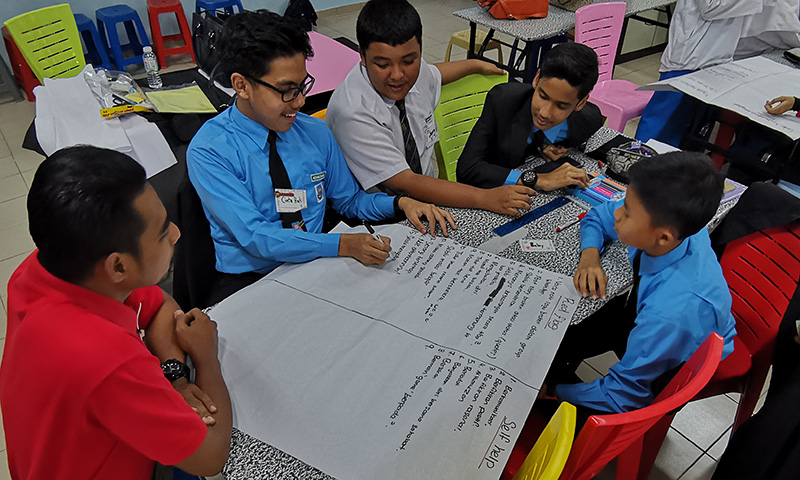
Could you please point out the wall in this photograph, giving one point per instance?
(12, 8)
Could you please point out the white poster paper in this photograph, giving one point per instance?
(743, 86)
(425, 367)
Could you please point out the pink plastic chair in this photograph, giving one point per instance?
(599, 26)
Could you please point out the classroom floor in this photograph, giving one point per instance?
(700, 431)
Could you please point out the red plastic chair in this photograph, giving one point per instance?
(633, 438)
(158, 7)
(762, 270)
(599, 26)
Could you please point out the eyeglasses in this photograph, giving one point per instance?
(289, 94)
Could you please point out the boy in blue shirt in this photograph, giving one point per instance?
(679, 294)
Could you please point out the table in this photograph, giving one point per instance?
(252, 458)
(535, 31)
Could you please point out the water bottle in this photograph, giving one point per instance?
(151, 68)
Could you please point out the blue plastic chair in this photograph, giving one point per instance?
(212, 5)
(96, 52)
(107, 20)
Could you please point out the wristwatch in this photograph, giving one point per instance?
(529, 178)
(174, 369)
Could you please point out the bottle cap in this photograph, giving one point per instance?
(147, 49)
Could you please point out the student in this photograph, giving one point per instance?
(82, 391)
(679, 295)
(702, 33)
(263, 148)
(546, 118)
(390, 149)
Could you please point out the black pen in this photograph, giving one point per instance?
(372, 232)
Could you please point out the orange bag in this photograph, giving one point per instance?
(516, 9)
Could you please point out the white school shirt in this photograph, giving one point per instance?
(703, 33)
(776, 27)
(367, 125)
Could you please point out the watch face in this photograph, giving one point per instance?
(529, 177)
(174, 369)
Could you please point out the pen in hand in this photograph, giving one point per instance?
(372, 232)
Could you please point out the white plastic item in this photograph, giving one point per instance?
(151, 68)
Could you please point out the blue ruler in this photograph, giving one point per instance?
(509, 227)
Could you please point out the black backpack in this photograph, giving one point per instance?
(302, 12)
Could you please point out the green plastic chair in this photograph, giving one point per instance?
(49, 41)
(460, 106)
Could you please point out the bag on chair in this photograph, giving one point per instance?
(516, 9)
(206, 29)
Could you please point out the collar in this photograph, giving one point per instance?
(253, 130)
(650, 265)
(105, 307)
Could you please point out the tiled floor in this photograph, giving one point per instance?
(700, 431)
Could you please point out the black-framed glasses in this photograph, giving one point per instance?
(288, 95)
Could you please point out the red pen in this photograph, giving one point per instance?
(571, 222)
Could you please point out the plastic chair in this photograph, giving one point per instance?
(213, 5)
(49, 41)
(320, 113)
(460, 106)
(762, 270)
(158, 7)
(599, 26)
(549, 455)
(23, 75)
(635, 437)
(107, 20)
(96, 52)
(461, 39)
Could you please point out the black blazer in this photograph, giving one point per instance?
(499, 141)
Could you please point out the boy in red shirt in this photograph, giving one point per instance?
(81, 387)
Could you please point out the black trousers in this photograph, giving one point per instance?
(605, 330)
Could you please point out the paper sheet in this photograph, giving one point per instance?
(425, 367)
(189, 99)
(743, 86)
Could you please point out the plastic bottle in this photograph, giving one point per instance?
(151, 67)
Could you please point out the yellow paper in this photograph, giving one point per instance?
(182, 100)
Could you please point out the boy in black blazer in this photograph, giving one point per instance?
(547, 118)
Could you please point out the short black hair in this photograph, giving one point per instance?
(678, 189)
(574, 62)
(250, 41)
(393, 22)
(80, 209)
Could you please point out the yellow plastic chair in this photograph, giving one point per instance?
(320, 114)
(549, 455)
(460, 106)
(49, 41)
(461, 39)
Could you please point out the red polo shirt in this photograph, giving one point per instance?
(81, 395)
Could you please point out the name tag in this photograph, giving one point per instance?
(289, 200)
(431, 131)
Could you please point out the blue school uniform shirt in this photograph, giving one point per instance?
(228, 164)
(555, 134)
(683, 297)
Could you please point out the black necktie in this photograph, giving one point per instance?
(280, 179)
(412, 155)
(633, 295)
(538, 141)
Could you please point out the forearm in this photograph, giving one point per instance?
(160, 335)
(437, 191)
(218, 439)
(452, 71)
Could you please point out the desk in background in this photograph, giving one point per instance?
(539, 34)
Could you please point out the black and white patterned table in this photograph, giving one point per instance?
(556, 22)
(251, 458)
